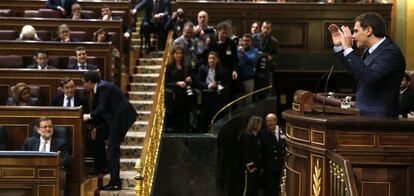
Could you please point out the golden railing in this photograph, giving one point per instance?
(147, 164)
(341, 177)
(228, 106)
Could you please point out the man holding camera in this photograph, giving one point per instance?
(268, 47)
(248, 58)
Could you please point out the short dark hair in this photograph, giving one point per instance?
(106, 6)
(373, 20)
(80, 48)
(41, 119)
(267, 22)
(64, 81)
(407, 76)
(247, 35)
(92, 75)
(224, 26)
(41, 51)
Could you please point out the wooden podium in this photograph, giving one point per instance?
(338, 154)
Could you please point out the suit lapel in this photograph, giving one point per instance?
(53, 145)
(36, 144)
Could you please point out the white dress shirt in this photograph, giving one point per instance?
(42, 142)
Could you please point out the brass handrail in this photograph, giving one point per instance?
(341, 176)
(236, 100)
(147, 163)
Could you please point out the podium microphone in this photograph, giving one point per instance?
(326, 87)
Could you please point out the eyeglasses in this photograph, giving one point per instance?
(44, 127)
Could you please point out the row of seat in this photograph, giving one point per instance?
(18, 61)
(50, 13)
(48, 36)
(43, 97)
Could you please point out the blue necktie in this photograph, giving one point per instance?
(68, 102)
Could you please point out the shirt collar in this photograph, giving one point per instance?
(402, 91)
(43, 140)
(95, 87)
(375, 46)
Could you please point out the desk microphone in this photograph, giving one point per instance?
(326, 87)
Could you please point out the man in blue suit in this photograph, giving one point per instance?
(379, 71)
(114, 114)
(68, 98)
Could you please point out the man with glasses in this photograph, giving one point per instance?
(46, 143)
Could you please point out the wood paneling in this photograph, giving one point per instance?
(380, 151)
(61, 116)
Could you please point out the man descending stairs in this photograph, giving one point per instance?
(142, 89)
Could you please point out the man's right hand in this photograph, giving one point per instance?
(336, 35)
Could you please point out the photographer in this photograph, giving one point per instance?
(248, 58)
(178, 92)
(268, 47)
(176, 23)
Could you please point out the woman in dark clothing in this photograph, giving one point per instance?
(21, 96)
(209, 81)
(178, 92)
(251, 156)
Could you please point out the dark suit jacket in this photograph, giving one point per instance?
(88, 66)
(53, 4)
(251, 151)
(79, 101)
(34, 66)
(379, 78)
(406, 102)
(33, 143)
(112, 109)
(71, 39)
(273, 150)
(163, 7)
(269, 46)
(32, 102)
(202, 76)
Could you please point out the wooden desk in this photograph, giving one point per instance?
(99, 50)
(380, 152)
(19, 123)
(30, 173)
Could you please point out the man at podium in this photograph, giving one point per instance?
(378, 71)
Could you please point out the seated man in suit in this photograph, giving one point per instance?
(106, 14)
(21, 96)
(46, 143)
(69, 98)
(41, 58)
(63, 32)
(81, 58)
(64, 6)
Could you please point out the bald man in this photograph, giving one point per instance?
(273, 143)
(203, 29)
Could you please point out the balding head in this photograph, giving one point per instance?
(202, 18)
(271, 121)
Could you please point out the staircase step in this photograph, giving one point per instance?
(128, 192)
(150, 61)
(134, 138)
(142, 86)
(128, 164)
(131, 151)
(140, 95)
(143, 115)
(145, 77)
(127, 178)
(148, 69)
(142, 105)
(139, 126)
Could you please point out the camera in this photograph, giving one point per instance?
(219, 88)
(262, 60)
(189, 90)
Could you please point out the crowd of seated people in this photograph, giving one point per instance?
(222, 67)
